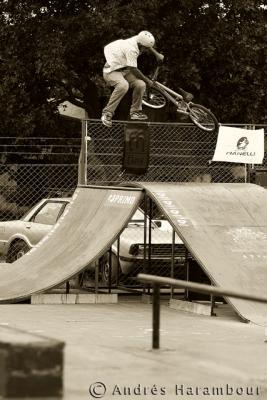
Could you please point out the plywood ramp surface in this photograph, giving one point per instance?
(224, 226)
(91, 224)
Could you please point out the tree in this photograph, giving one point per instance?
(52, 51)
(49, 55)
(214, 48)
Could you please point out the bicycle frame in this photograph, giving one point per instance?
(169, 93)
(201, 116)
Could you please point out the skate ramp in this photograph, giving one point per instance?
(90, 225)
(224, 226)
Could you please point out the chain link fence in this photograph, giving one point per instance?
(36, 168)
(178, 153)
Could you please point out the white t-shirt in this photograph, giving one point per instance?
(121, 53)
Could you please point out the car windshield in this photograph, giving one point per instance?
(24, 216)
(49, 213)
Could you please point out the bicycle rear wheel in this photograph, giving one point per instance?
(203, 118)
(153, 98)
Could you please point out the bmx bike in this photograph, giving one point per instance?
(157, 95)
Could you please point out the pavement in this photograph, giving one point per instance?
(108, 350)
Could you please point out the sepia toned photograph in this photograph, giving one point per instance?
(133, 210)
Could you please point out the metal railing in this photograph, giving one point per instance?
(158, 281)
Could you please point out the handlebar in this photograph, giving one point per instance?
(156, 72)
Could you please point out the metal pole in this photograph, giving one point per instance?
(145, 238)
(82, 173)
(172, 262)
(118, 261)
(110, 269)
(213, 305)
(86, 151)
(97, 277)
(149, 238)
(156, 316)
(187, 274)
(249, 167)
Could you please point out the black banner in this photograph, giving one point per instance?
(136, 148)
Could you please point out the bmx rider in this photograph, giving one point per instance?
(121, 72)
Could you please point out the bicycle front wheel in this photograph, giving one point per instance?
(203, 118)
(153, 98)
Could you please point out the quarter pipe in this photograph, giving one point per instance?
(224, 226)
(91, 224)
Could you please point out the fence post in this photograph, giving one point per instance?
(82, 170)
(156, 315)
(249, 167)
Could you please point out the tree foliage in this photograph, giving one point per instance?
(53, 51)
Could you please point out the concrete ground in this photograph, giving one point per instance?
(200, 356)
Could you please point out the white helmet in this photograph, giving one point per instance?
(146, 39)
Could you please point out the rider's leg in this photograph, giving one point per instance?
(139, 88)
(121, 87)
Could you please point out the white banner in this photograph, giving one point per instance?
(239, 145)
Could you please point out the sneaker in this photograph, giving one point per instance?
(107, 119)
(138, 115)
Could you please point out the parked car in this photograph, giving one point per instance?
(19, 236)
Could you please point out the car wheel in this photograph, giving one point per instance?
(104, 267)
(17, 250)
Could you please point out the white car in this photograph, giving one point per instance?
(19, 236)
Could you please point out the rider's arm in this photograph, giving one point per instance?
(158, 56)
(139, 75)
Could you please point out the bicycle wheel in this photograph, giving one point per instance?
(203, 118)
(153, 98)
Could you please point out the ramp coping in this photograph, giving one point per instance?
(130, 189)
